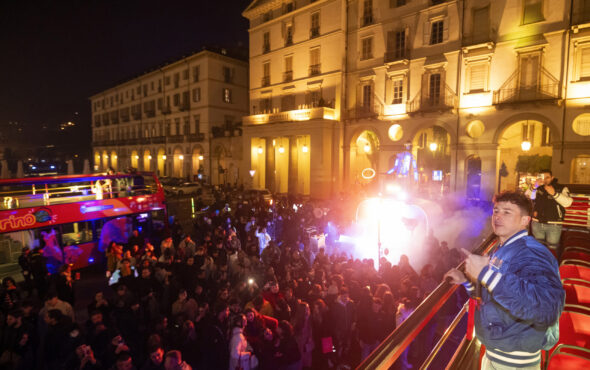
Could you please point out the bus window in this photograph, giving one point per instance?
(76, 233)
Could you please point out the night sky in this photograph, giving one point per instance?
(55, 54)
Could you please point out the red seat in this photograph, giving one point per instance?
(574, 329)
(574, 273)
(575, 241)
(569, 357)
(576, 255)
(577, 294)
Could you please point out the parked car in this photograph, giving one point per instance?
(257, 193)
(186, 188)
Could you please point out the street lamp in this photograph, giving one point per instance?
(433, 147)
(164, 157)
(201, 157)
(367, 148)
(181, 157)
(260, 150)
(281, 150)
(525, 146)
(252, 172)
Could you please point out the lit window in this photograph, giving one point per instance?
(478, 75)
(585, 63)
(227, 95)
(398, 91)
(197, 94)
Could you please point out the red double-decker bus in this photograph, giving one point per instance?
(74, 218)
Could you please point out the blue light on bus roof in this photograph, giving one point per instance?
(90, 260)
(52, 167)
(90, 209)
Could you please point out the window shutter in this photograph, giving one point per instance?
(446, 28)
(585, 63)
(390, 40)
(478, 77)
(427, 27)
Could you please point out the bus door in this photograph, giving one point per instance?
(78, 244)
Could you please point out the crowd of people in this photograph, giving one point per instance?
(245, 288)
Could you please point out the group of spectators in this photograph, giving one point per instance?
(244, 289)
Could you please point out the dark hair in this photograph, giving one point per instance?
(16, 313)
(55, 314)
(286, 328)
(51, 294)
(123, 357)
(517, 198)
(546, 170)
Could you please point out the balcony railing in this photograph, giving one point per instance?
(165, 109)
(266, 48)
(367, 20)
(425, 101)
(546, 87)
(365, 111)
(315, 69)
(158, 140)
(265, 81)
(150, 113)
(184, 107)
(314, 32)
(196, 137)
(287, 76)
(176, 139)
(289, 40)
(302, 114)
(136, 115)
(395, 55)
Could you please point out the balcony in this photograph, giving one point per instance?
(136, 115)
(365, 111)
(545, 88)
(175, 139)
(438, 101)
(315, 69)
(266, 48)
(185, 106)
(314, 32)
(287, 76)
(265, 81)
(158, 140)
(396, 55)
(196, 137)
(304, 114)
(150, 113)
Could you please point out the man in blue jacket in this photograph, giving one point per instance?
(521, 293)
